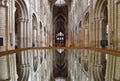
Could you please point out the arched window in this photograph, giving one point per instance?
(60, 41)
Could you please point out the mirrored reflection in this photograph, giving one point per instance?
(47, 61)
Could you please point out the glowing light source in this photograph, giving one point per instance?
(60, 3)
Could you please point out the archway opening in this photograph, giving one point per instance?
(20, 33)
(18, 20)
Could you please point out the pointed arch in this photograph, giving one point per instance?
(100, 8)
(60, 15)
(101, 21)
(23, 9)
(34, 20)
(86, 18)
(21, 25)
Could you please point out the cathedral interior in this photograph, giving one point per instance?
(59, 40)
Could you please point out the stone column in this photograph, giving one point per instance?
(23, 63)
(28, 44)
(95, 75)
(113, 64)
(110, 68)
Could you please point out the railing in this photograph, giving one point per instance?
(104, 51)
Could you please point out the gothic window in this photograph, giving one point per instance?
(60, 41)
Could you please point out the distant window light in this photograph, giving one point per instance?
(58, 39)
(60, 3)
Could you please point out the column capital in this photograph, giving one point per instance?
(22, 20)
(99, 18)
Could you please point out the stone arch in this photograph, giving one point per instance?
(34, 29)
(86, 19)
(21, 18)
(61, 19)
(60, 15)
(34, 17)
(86, 41)
(35, 41)
(23, 8)
(104, 16)
(97, 8)
(21, 32)
(101, 20)
(85, 27)
(79, 39)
